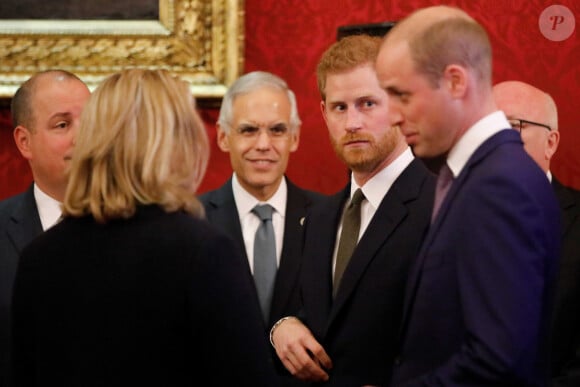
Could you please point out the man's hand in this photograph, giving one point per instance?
(299, 351)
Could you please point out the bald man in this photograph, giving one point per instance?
(529, 107)
(533, 113)
(478, 298)
(46, 111)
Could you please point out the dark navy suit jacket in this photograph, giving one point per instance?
(19, 224)
(566, 329)
(359, 329)
(479, 297)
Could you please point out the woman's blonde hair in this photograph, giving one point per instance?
(140, 142)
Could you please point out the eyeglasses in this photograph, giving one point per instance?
(519, 124)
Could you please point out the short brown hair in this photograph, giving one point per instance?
(348, 53)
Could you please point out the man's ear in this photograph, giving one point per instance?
(456, 79)
(552, 145)
(22, 140)
(222, 139)
(295, 139)
(323, 111)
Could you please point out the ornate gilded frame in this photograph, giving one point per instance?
(199, 40)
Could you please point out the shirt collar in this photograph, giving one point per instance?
(49, 209)
(377, 187)
(245, 201)
(473, 138)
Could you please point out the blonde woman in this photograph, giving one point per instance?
(133, 287)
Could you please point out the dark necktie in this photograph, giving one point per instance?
(265, 265)
(444, 181)
(348, 236)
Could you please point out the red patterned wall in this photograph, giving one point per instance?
(287, 37)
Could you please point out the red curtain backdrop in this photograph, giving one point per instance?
(287, 37)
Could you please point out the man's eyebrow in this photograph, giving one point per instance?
(395, 90)
(366, 97)
(279, 126)
(335, 103)
(61, 115)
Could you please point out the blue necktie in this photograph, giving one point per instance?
(265, 265)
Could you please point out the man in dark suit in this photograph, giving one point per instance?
(45, 111)
(259, 126)
(534, 114)
(347, 331)
(479, 297)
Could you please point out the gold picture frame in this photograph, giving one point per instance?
(199, 40)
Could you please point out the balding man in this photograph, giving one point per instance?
(529, 107)
(46, 111)
(533, 113)
(477, 306)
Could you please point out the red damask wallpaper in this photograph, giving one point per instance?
(287, 37)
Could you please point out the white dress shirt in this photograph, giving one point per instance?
(250, 222)
(49, 209)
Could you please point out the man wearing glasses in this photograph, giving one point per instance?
(534, 114)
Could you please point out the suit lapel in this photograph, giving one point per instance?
(290, 261)
(24, 223)
(388, 216)
(223, 213)
(391, 212)
(567, 204)
(321, 228)
(480, 154)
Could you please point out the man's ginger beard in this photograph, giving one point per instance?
(364, 159)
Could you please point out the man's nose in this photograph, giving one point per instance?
(353, 120)
(263, 139)
(395, 115)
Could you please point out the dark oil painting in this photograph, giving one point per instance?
(80, 9)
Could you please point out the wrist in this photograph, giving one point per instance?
(276, 325)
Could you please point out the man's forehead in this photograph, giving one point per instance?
(393, 59)
(262, 93)
(261, 101)
(358, 93)
(513, 99)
